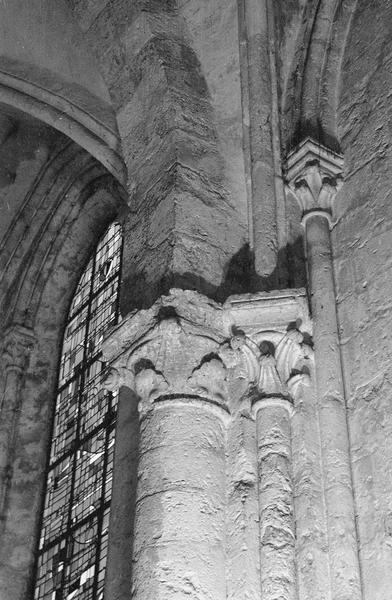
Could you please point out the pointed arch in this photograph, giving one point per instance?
(310, 102)
(89, 204)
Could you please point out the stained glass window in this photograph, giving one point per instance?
(74, 535)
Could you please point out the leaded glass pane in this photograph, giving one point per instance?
(74, 535)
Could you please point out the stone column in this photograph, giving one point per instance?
(259, 99)
(314, 175)
(17, 345)
(169, 356)
(272, 409)
(242, 517)
(242, 531)
(311, 534)
(273, 360)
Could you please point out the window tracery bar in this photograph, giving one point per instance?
(73, 542)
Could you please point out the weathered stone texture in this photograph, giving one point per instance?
(198, 102)
(181, 138)
(59, 199)
(242, 538)
(179, 548)
(313, 574)
(277, 538)
(363, 260)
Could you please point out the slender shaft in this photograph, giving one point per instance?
(243, 557)
(277, 530)
(309, 506)
(8, 418)
(261, 144)
(343, 551)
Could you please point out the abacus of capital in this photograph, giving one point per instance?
(243, 478)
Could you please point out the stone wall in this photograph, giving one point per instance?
(57, 201)
(194, 106)
(363, 260)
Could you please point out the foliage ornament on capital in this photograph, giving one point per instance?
(175, 354)
(314, 175)
(274, 367)
(187, 346)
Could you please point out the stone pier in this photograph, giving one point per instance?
(215, 492)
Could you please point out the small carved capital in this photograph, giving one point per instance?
(274, 366)
(314, 176)
(18, 343)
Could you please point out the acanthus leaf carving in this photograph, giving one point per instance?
(173, 356)
(271, 368)
(314, 176)
(296, 381)
(314, 190)
(269, 382)
(150, 384)
(209, 379)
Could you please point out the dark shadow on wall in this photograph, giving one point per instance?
(315, 131)
(240, 277)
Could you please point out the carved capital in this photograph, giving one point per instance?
(275, 362)
(186, 348)
(18, 342)
(314, 176)
(170, 351)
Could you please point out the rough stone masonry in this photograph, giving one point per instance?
(244, 146)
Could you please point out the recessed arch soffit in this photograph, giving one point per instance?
(72, 202)
(57, 280)
(47, 71)
(311, 86)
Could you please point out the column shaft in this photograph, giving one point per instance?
(17, 344)
(277, 536)
(243, 556)
(8, 416)
(122, 505)
(309, 507)
(264, 234)
(179, 550)
(343, 553)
